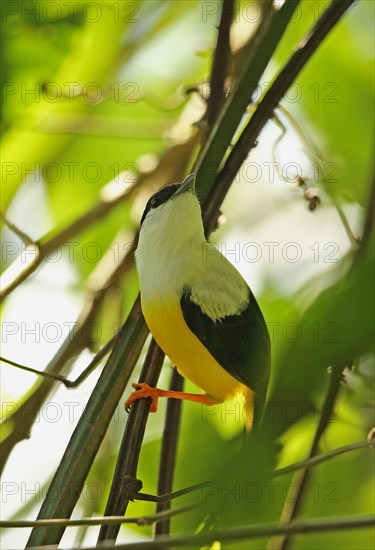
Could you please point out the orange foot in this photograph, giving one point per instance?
(144, 390)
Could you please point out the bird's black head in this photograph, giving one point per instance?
(160, 197)
(164, 194)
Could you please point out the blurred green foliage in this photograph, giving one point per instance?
(141, 58)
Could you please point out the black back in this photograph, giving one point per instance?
(239, 343)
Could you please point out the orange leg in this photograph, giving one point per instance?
(144, 390)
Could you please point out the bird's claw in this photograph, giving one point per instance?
(142, 390)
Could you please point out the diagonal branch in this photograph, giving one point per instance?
(169, 450)
(319, 459)
(16, 230)
(249, 532)
(170, 496)
(125, 485)
(56, 239)
(219, 70)
(301, 478)
(58, 377)
(106, 520)
(274, 95)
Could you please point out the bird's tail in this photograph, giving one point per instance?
(253, 409)
(248, 409)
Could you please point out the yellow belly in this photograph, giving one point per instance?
(188, 354)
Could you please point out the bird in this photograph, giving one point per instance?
(198, 307)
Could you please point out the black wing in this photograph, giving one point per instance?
(239, 343)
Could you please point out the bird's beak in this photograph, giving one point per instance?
(187, 185)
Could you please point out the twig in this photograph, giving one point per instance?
(58, 377)
(274, 95)
(316, 525)
(344, 220)
(17, 231)
(219, 70)
(169, 451)
(319, 459)
(299, 181)
(368, 226)
(293, 504)
(313, 461)
(169, 496)
(125, 485)
(106, 520)
(57, 239)
(45, 374)
(315, 157)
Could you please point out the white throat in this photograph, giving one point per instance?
(170, 246)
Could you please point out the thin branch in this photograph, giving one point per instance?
(274, 95)
(125, 485)
(17, 231)
(91, 366)
(368, 226)
(106, 520)
(45, 374)
(313, 461)
(344, 220)
(299, 181)
(169, 496)
(58, 377)
(241, 534)
(57, 239)
(219, 70)
(324, 457)
(168, 454)
(294, 503)
(315, 157)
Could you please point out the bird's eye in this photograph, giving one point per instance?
(155, 202)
